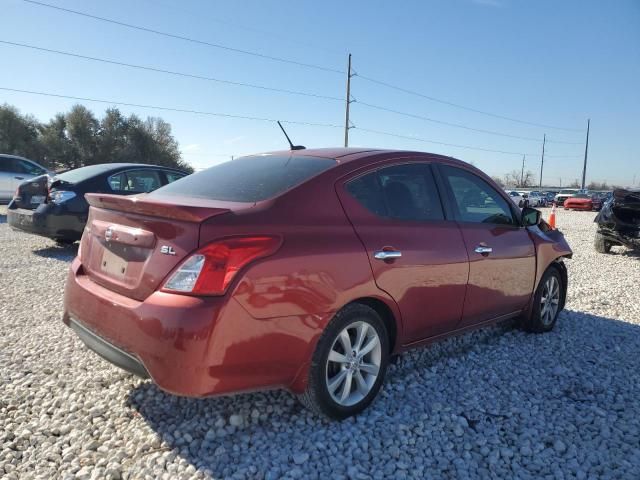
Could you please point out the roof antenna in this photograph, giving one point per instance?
(293, 147)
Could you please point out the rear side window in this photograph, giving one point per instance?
(475, 199)
(172, 176)
(402, 192)
(135, 181)
(249, 179)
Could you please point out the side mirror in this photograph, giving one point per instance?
(530, 216)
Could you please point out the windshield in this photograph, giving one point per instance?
(248, 179)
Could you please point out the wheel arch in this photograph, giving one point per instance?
(559, 265)
(387, 315)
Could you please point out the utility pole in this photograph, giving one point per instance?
(522, 172)
(346, 119)
(544, 140)
(586, 151)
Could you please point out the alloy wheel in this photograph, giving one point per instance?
(549, 300)
(353, 363)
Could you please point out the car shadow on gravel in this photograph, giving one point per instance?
(497, 396)
(64, 253)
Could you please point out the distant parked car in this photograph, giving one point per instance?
(550, 196)
(56, 208)
(579, 201)
(517, 198)
(563, 195)
(13, 171)
(536, 199)
(597, 200)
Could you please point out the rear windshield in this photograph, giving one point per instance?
(248, 179)
(81, 174)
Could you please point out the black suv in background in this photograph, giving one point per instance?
(56, 207)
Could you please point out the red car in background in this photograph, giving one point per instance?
(582, 201)
(307, 270)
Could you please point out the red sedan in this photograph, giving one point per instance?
(580, 201)
(307, 270)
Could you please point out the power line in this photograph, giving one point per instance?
(281, 37)
(456, 105)
(456, 125)
(172, 72)
(186, 39)
(435, 142)
(170, 109)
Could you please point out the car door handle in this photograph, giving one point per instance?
(387, 254)
(483, 250)
(19, 178)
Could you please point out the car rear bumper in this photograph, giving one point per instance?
(191, 346)
(109, 352)
(47, 220)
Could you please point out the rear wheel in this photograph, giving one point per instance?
(547, 303)
(601, 244)
(349, 363)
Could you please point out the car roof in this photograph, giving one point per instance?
(7, 155)
(345, 155)
(99, 168)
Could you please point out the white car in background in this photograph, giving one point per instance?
(517, 198)
(13, 171)
(536, 199)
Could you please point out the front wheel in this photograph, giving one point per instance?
(349, 363)
(547, 303)
(601, 244)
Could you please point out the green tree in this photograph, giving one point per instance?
(77, 138)
(19, 134)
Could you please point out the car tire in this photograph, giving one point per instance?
(601, 244)
(548, 301)
(356, 327)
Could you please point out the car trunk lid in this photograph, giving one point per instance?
(33, 192)
(131, 243)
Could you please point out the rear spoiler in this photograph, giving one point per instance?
(177, 208)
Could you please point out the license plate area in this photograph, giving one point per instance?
(113, 265)
(37, 199)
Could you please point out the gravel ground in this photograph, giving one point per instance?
(496, 403)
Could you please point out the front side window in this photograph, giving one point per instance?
(475, 199)
(401, 192)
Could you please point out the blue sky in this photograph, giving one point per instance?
(547, 62)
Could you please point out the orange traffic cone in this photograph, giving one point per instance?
(552, 217)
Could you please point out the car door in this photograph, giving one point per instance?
(23, 171)
(416, 255)
(501, 253)
(6, 179)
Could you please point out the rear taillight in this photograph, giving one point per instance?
(210, 270)
(60, 196)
